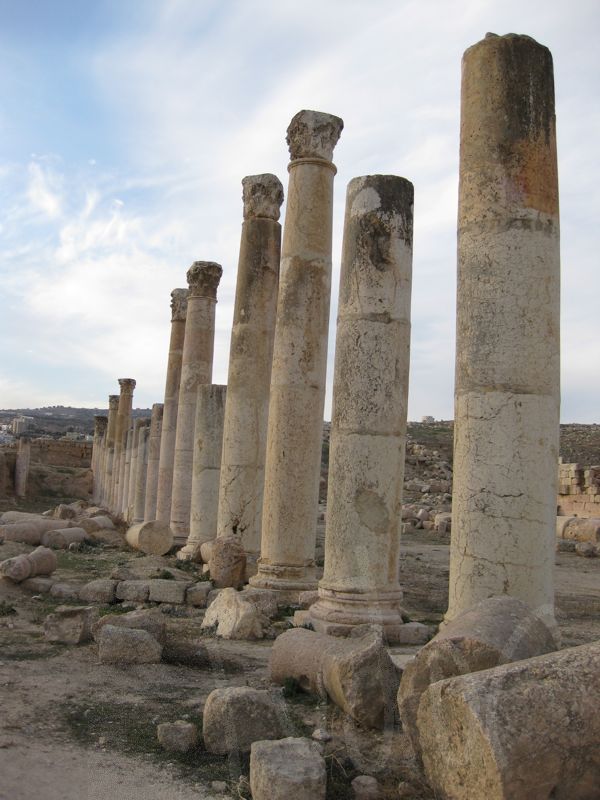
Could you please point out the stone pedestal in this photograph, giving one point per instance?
(507, 362)
(299, 360)
(100, 424)
(22, 467)
(153, 459)
(196, 370)
(138, 490)
(208, 437)
(169, 421)
(368, 427)
(109, 450)
(123, 420)
(250, 357)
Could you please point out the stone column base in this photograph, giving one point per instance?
(286, 580)
(190, 552)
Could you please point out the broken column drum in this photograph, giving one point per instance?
(169, 421)
(250, 357)
(196, 370)
(368, 426)
(109, 450)
(138, 487)
(507, 349)
(153, 460)
(208, 437)
(297, 394)
(123, 421)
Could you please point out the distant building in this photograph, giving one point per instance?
(428, 419)
(21, 425)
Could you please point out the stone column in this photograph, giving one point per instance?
(127, 458)
(138, 490)
(507, 348)
(250, 357)
(100, 423)
(153, 461)
(131, 468)
(169, 422)
(109, 450)
(22, 467)
(368, 426)
(299, 360)
(196, 369)
(208, 438)
(123, 420)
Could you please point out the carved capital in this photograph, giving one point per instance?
(179, 298)
(313, 134)
(100, 424)
(127, 385)
(113, 402)
(263, 196)
(203, 278)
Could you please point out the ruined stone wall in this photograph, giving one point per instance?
(59, 453)
(58, 469)
(578, 490)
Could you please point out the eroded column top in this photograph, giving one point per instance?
(113, 402)
(262, 195)
(313, 134)
(203, 278)
(179, 298)
(100, 423)
(127, 385)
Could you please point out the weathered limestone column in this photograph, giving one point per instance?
(131, 468)
(169, 422)
(208, 438)
(100, 423)
(127, 458)
(109, 450)
(299, 360)
(250, 357)
(196, 369)
(22, 466)
(368, 426)
(507, 348)
(138, 488)
(123, 420)
(153, 458)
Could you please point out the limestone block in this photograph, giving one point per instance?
(154, 537)
(104, 522)
(40, 561)
(522, 731)
(101, 590)
(227, 563)
(496, 631)
(288, 768)
(306, 599)
(63, 511)
(164, 591)
(234, 617)
(586, 549)
(442, 522)
(89, 525)
(38, 585)
(149, 621)
(137, 591)
(264, 600)
(197, 594)
(60, 539)
(70, 624)
(64, 591)
(366, 788)
(177, 737)
(119, 645)
(356, 673)
(235, 717)
(206, 549)
(30, 531)
(581, 530)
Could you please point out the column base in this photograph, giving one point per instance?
(190, 552)
(287, 581)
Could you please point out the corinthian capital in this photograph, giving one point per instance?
(179, 298)
(263, 196)
(203, 278)
(313, 134)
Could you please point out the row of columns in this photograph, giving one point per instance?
(243, 461)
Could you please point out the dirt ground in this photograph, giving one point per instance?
(74, 729)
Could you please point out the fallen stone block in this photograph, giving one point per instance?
(235, 717)
(61, 538)
(366, 788)
(581, 529)
(496, 631)
(264, 599)
(227, 563)
(206, 549)
(165, 591)
(197, 594)
(154, 538)
(119, 645)
(235, 617)
(286, 769)
(30, 531)
(136, 591)
(586, 549)
(177, 737)
(356, 673)
(104, 522)
(101, 590)
(308, 598)
(63, 511)
(70, 624)
(37, 585)
(442, 522)
(149, 621)
(522, 731)
(40, 561)
(64, 591)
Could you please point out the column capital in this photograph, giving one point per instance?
(100, 423)
(127, 385)
(203, 278)
(313, 134)
(113, 402)
(262, 195)
(179, 298)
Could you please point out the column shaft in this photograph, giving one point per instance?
(153, 459)
(109, 450)
(138, 492)
(123, 420)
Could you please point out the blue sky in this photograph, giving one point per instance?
(126, 129)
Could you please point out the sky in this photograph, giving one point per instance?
(126, 127)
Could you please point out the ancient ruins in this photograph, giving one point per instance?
(211, 536)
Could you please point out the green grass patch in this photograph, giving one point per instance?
(6, 609)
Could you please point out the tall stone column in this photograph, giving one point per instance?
(368, 426)
(196, 369)
(208, 438)
(131, 467)
(299, 360)
(127, 458)
(109, 450)
(123, 420)
(138, 491)
(507, 349)
(169, 422)
(22, 463)
(250, 357)
(153, 459)
(100, 423)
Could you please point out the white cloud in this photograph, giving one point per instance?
(44, 190)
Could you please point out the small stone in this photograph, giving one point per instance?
(413, 633)
(101, 590)
(286, 769)
(264, 600)
(586, 549)
(137, 591)
(40, 585)
(70, 624)
(227, 564)
(307, 599)
(235, 617)
(145, 620)
(366, 788)
(219, 786)
(197, 594)
(406, 791)
(127, 646)
(177, 737)
(164, 591)
(321, 735)
(62, 591)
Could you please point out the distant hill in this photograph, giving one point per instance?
(61, 419)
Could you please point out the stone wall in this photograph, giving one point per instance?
(58, 469)
(61, 453)
(578, 490)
